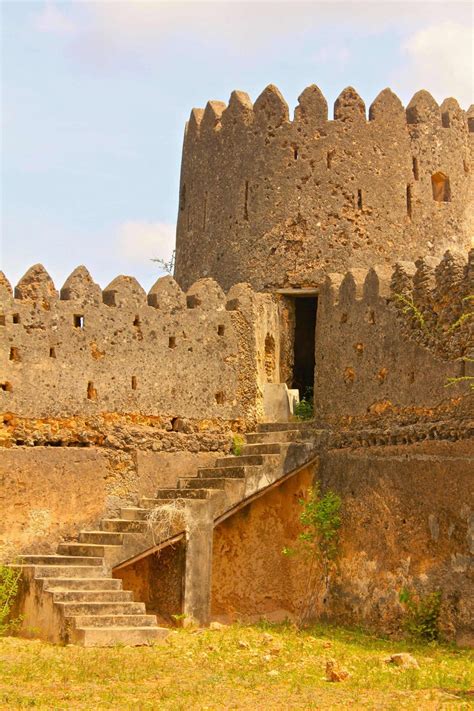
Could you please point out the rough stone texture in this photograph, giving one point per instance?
(89, 352)
(281, 203)
(407, 521)
(372, 354)
(47, 494)
(157, 580)
(251, 577)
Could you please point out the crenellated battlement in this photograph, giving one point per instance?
(81, 349)
(280, 201)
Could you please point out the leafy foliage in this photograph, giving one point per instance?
(237, 445)
(304, 410)
(9, 583)
(422, 614)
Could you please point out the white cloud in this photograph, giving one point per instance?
(139, 242)
(441, 59)
(52, 21)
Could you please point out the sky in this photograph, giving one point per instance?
(95, 96)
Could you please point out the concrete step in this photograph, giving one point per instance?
(114, 621)
(217, 483)
(283, 426)
(264, 448)
(134, 513)
(242, 460)
(110, 636)
(93, 596)
(69, 571)
(82, 584)
(74, 608)
(106, 538)
(199, 493)
(219, 472)
(85, 549)
(122, 526)
(61, 560)
(278, 437)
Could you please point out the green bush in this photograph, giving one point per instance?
(304, 409)
(422, 614)
(237, 445)
(9, 583)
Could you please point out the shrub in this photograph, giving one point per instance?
(304, 409)
(9, 583)
(422, 614)
(237, 445)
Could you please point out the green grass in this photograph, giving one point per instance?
(230, 669)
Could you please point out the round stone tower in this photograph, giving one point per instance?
(280, 203)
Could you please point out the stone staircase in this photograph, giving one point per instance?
(71, 596)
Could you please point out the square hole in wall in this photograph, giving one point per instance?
(172, 342)
(6, 387)
(15, 354)
(52, 352)
(78, 320)
(16, 318)
(220, 330)
(220, 398)
(91, 391)
(134, 382)
(2, 320)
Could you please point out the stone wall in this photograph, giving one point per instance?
(85, 351)
(280, 203)
(407, 522)
(372, 352)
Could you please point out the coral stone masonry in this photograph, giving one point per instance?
(151, 462)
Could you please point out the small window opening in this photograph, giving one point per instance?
(295, 152)
(52, 352)
(172, 342)
(220, 330)
(445, 120)
(91, 391)
(134, 382)
(409, 201)
(470, 124)
(416, 172)
(359, 199)
(15, 354)
(6, 387)
(16, 318)
(78, 320)
(2, 320)
(220, 398)
(441, 187)
(182, 198)
(136, 321)
(246, 201)
(329, 158)
(269, 357)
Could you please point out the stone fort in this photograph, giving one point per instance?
(152, 458)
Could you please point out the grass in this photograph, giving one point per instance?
(237, 667)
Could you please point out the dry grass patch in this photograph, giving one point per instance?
(237, 667)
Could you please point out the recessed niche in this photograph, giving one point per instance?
(91, 391)
(359, 199)
(134, 382)
(172, 342)
(2, 320)
(6, 387)
(409, 201)
(441, 187)
(52, 352)
(78, 320)
(16, 318)
(220, 330)
(416, 172)
(15, 354)
(220, 398)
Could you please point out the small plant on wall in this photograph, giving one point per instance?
(304, 409)
(318, 544)
(422, 613)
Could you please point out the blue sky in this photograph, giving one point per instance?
(95, 96)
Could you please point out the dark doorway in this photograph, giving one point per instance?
(305, 336)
